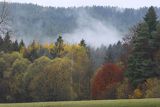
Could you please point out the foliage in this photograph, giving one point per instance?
(153, 88)
(59, 71)
(105, 80)
(54, 83)
(141, 63)
(124, 90)
(137, 94)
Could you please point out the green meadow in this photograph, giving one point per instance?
(98, 103)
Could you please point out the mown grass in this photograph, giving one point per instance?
(100, 103)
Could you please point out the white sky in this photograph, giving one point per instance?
(69, 3)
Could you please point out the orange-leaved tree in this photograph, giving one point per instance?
(105, 80)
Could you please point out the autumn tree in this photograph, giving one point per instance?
(7, 77)
(17, 87)
(105, 80)
(54, 83)
(80, 69)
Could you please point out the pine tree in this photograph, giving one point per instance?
(21, 44)
(15, 46)
(140, 65)
(33, 51)
(156, 49)
(109, 55)
(156, 38)
(1, 43)
(59, 47)
(82, 43)
(7, 44)
(151, 19)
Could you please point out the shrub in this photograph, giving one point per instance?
(153, 88)
(137, 93)
(123, 90)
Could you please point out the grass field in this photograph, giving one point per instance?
(101, 103)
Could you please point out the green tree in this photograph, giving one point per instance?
(17, 88)
(80, 69)
(140, 64)
(32, 71)
(82, 43)
(1, 43)
(15, 46)
(59, 48)
(21, 44)
(2, 67)
(6, 82)
(7, 44)
(151, 19)
(54, 83)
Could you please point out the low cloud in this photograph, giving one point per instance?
(95, 32)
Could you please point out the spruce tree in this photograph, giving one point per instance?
(21, 44)
(156, 49)
(59, 47)
(141, 64)
(109, 55)
(82, 43)
(7, 44)
(151, 19)
(15, 46)
(156, 39)
(1, 44)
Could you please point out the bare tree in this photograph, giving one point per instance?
(3, 17)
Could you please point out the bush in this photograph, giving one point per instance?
(153, 88)
(123, 90)
(137, 93)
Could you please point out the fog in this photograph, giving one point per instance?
(95, 32)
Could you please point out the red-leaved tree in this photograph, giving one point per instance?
(105, 80)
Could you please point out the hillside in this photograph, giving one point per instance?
(30, 21)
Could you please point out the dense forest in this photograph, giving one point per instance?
(59, 71)
(29, 21)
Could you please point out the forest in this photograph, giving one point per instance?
(29, 21)
(60, 71)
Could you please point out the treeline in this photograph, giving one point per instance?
(60, 71)
(48, 72)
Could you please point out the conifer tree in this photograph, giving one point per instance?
(141, 64)
(1, 43)
(21, 44)
(7, 44)
(16, 46)
(82, 43)
(59, 47)
(151, 19)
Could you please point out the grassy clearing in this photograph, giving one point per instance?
(101, 103)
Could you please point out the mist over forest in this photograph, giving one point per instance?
(97, 25)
